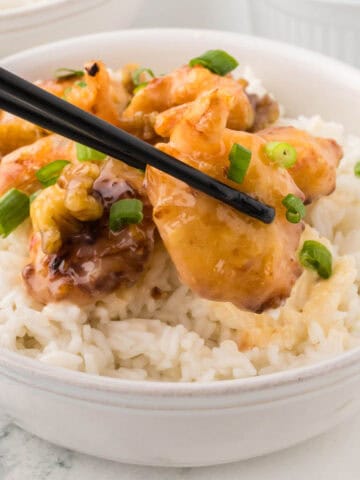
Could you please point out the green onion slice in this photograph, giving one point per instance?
(62, 73)
(216, 61)
(14, 209)
(123, 212)
(81, 84)
(66, 93)
(49, 174)
(87, 154)
(281, 153)
(357, 169)
(239, 158)
(316, 256)
(140, 87)
(295, 208)
(136, 75)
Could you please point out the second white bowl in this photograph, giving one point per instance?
(329, 26)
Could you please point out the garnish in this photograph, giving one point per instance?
(216, 61)
(14, 209)
(357, 169)
(140, 87)
(136, 75)
(49, 174)
(81, 84)
(239, 158)
(123, 212)
(87, 154)
(281, 153)
(66, 92)
(295, 208)
(62, 73)
(316, 256)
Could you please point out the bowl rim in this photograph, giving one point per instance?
(25, 368)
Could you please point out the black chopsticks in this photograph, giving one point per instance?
(34, 104)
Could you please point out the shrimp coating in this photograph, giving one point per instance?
(73, 253)
(182, 86)
(58, 211)
(220, 253)
(18, 168)
(16, 132)
(317, 158)
(96, 92)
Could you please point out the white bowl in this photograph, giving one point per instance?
(190, 424)
(329, 26)
(29, 24)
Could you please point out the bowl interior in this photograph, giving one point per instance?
(304, 82)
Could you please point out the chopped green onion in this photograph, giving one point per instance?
(123, 212)
(14, 209)
(239, 158)
(87, 154)
(295, 208)
(81, 84)
(216, 61)
(62, 73)
(357, 169)
(140, 87)
(49, 174)
(316, 256)
(136, 75)
(66, 92)
(281, 153)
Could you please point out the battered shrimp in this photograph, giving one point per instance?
(95, 92)
(18, 168)
(16, 132)
(220, 253)
(317, 158)
(180, 87)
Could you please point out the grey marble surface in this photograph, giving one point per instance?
(333, 456)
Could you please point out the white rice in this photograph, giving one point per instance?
(182, 337)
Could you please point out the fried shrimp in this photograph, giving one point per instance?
(18, 168)
(180, 87)
(16, 132)
(317, 158)
(96, 92)
(220, 253)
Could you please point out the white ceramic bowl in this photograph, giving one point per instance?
(329, 26)
(190, 424)
(29, 24)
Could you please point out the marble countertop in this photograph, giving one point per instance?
(333, 456)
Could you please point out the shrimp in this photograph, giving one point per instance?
(16, 132)
(18, 168)
(180, 87)
(317, 158)
(95, 92)
(220, 253)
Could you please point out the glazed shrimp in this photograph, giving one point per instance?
(180, 87)
(220, 253)
(18, 168)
